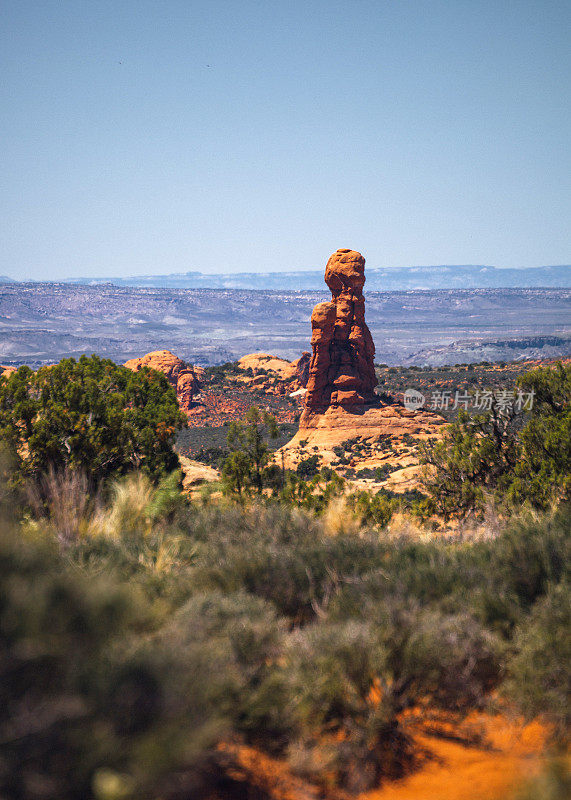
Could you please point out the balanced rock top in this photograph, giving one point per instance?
(345, 271)
(341, 371)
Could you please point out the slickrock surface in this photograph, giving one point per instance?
(370, 429)
(257, 361)
(297, 370)
(336, 424)
(341, 372)
(184, 377)
(195, 474)
(275, 375)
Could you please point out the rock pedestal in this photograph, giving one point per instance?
(341, 371)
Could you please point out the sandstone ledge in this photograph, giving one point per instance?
(195, 474)
(321, 432)
(393, 419)
(285, 370)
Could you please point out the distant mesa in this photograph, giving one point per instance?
(184, 378)
(463, 276)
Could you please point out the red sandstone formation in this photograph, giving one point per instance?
(267, 369)
(182, 376)
(341, 405)
(186, 387)
(341, 372)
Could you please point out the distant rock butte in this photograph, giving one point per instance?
(183, 377)
(341, 371)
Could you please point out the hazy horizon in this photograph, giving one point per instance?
(214, 272)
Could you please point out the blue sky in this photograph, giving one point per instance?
(153, 137)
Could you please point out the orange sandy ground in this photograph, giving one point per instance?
(509, 754)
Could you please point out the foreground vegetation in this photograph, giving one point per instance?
(144, 637)
(158, 629)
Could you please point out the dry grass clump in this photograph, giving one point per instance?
(129, 509)
(403, 524)
(63, 501)
(340, 519)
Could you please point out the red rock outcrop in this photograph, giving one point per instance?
(341, 371)
(182, 376)
(262, 363)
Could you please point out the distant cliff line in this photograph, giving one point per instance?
(386, 278)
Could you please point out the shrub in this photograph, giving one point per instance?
(244, 469)
(543, 470)
(473, 457)
(532, 553)
(91, 416)
(315, 494)
(499, 454)
(248, 636)
(345, 735)
(373, 509)
(350, 681)
(431, 654)
(63, 499)
(139, 534)
(252, 623)
(308, 467)
(539, 677)
(279, 554)
(449, 659)
(79, 709)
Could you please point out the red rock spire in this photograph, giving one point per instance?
(341, 371)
